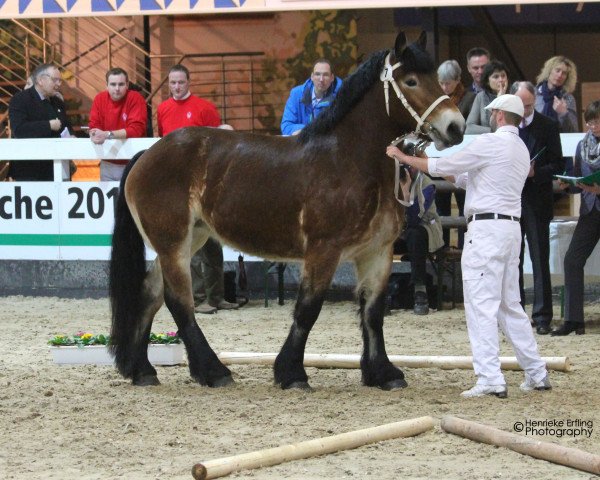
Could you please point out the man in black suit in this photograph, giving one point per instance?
(38, 112)
(542, 137)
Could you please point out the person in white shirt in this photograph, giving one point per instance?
(493, 169)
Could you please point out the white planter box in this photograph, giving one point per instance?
(98, 355)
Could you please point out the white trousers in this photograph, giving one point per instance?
(111, 171)
(490, 270)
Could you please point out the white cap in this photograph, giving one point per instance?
(508, 103)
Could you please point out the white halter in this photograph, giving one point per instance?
(387, 77)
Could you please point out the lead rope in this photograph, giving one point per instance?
(417, 182)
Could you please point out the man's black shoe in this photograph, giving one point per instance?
(567, 327)
(543, 329)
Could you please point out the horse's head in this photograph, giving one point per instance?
(411, 73)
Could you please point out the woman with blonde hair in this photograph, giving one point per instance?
(555, 85)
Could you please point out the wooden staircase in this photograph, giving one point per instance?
(85, 48)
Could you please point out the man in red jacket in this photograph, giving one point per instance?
(117, 113)
(186, 110)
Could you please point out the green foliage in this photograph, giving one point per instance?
(328, 34)
(82, 339)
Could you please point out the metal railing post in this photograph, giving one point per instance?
(108, 53)
(44, 50)
(27, 58)
(252, 94)
(223, 87)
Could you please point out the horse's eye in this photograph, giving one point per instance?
(411, 82)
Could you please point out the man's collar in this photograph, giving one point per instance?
(527, 120)
(476, 88)
(187, 95)
(42, 96)
(508, 128)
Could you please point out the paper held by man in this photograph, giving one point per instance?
(592, 179)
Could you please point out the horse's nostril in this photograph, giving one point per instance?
(455, 132)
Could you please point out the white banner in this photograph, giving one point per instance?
(62, 221)
(81, 8)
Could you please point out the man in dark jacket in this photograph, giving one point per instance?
(38, 112)
(542, 137)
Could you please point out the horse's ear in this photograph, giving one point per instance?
(399, 45)
(422, 41)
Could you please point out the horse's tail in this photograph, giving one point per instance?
(126, 278)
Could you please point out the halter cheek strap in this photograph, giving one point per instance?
(387, 77)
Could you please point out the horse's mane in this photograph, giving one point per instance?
(354, 87)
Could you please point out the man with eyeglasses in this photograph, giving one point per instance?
(38, 112)
(308, 100)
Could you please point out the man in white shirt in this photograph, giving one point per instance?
(493, 169)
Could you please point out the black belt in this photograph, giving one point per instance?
(492, 216)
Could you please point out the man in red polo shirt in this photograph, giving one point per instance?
(117, 113)
(186, 110)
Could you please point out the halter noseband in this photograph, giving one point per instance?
(387, 77)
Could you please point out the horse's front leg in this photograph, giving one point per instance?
(373, 272)
(289, 365)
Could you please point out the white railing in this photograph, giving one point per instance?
(83, 149)
(74, 220)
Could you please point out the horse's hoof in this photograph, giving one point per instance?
(146, 381)
(396, 384)
(222, 381)
(299, 385)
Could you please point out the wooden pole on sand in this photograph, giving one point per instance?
(310, 448)
(322, 360)
(570, 457)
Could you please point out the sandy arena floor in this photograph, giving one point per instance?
(86, 422)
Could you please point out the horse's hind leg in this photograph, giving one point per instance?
(377, 371)
(289, 365)
(205, 366)
(143, 372)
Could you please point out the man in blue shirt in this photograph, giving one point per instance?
(308, 100)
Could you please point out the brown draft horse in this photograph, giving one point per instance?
(322, 197)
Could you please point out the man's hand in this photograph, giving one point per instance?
(560, 106)
(55, 125)
(595, 189)
(98, 136)
(563, 185)
(531, 169)
(394, 152)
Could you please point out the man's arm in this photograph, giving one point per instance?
(290, 122)
(20, 120)
(137, 119)
(554, 163)
(210, 116)
(416, 162)
(159, 119)
(60, 106)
